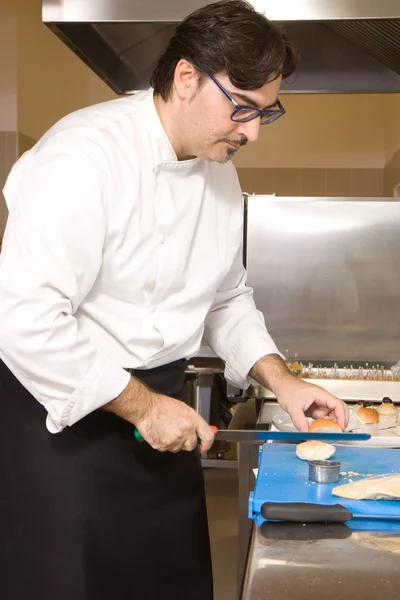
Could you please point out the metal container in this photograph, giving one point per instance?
(324, 471)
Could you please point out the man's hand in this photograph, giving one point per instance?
(174, 426)
(301, 399)
(297, 397)
(165, 423)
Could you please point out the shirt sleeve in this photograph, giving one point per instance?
(51, 256)
(235, 329)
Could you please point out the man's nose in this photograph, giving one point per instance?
(251, 129)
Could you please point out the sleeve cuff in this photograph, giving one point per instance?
(244, 356)
(100, 386)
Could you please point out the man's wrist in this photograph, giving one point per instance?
(134, 403)
(271, 372)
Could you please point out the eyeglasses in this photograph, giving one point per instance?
(243, 113)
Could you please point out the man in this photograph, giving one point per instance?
(123, 247)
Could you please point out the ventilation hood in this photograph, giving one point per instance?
(345, 45)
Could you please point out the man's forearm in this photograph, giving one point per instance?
(271, 372)
(134, 403)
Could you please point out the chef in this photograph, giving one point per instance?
(123, 249)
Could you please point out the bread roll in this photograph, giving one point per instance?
(315, 450)
(325, 426)
(367, 415)
(388, 413)
(387, 408)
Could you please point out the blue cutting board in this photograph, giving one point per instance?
(282, 477)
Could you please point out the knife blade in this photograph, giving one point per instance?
(260, 436)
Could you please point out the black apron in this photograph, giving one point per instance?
(92, 514)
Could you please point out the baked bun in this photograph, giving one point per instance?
(315, 450)
(325, 426)
(367, 415)
(387, 408)
(388, 414)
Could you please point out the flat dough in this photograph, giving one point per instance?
(378, 488)
(315, 450)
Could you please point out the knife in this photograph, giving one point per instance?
(261, 436)
(303, 512)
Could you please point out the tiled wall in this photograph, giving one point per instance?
(8, 156)
(313, 182)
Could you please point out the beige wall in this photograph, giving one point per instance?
(52, 80)
(391, 176)
(329, 145)
(333, 131)
(313, 182)
(391, 109)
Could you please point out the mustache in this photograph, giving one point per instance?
(240, 142)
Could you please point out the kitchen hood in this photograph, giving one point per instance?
(345, 45)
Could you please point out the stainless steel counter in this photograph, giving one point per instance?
(310, 562)
(321, 562)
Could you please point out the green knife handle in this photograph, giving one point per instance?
(302, 512)
(140, 438)
(138, 435)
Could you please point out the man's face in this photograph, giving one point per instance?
(212, 133)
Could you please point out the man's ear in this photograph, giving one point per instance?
(186, 80)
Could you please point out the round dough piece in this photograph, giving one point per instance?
(388, 414)
(367, 415)
(325, 426)
(387, 410)
(315, 450)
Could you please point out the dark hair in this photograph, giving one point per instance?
(228, 37)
